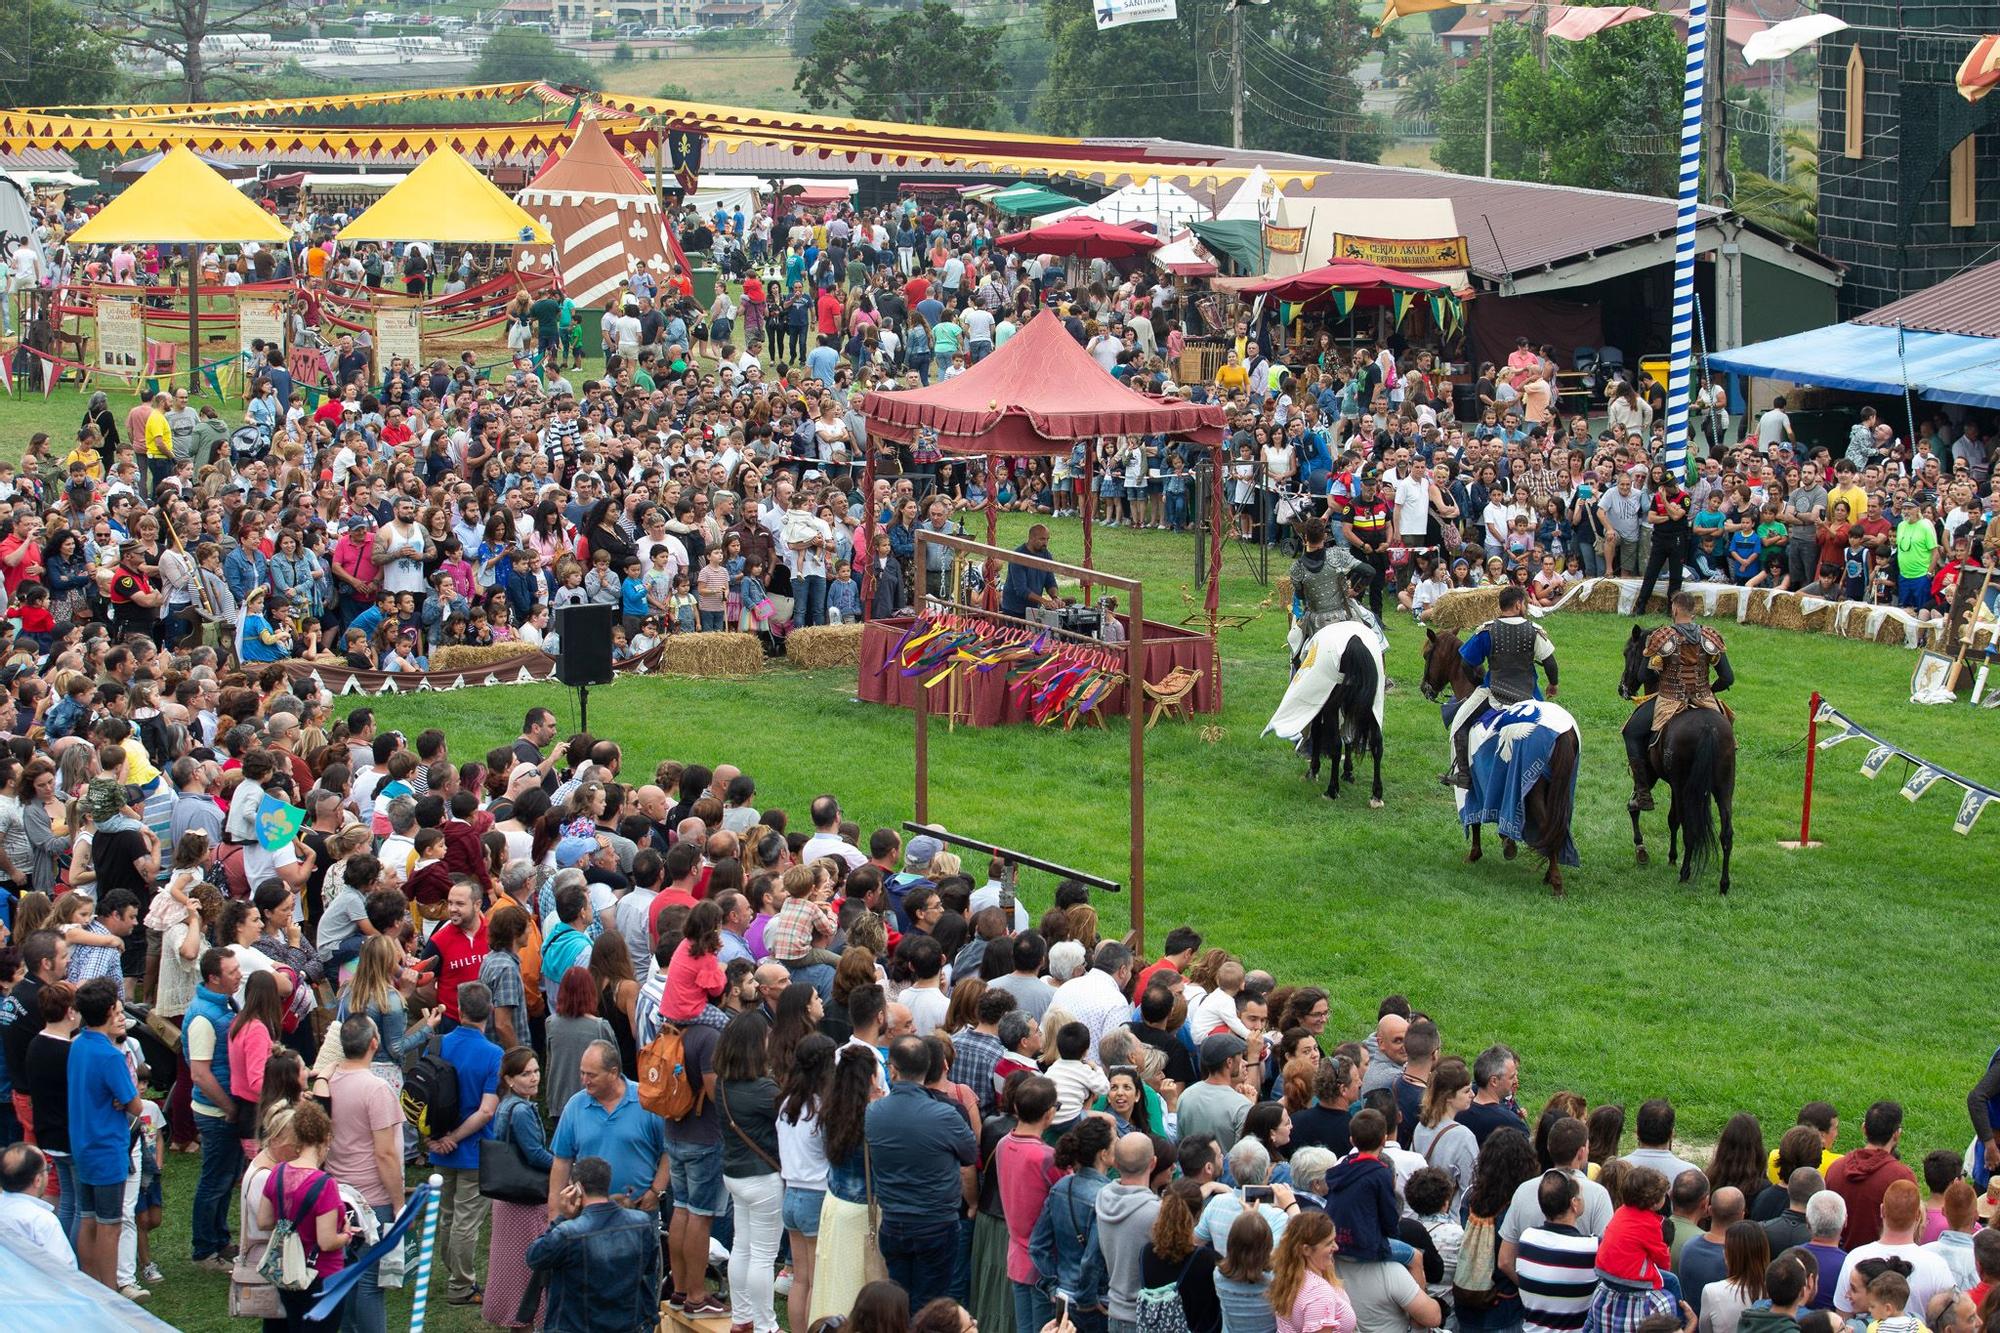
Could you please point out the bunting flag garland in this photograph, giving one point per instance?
(1343, 303)
(1927, 775)
(1403, 300)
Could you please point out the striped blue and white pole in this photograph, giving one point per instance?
(420, 1298)
(1681, 372)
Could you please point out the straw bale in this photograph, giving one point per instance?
(1786, 613)
(476, 656)
(711, 655)
(1463, 609)
(1726, 602)
(1760, 607)
(1603, 598)
(823, 646)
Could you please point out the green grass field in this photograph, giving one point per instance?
(1815, 978)
(1631, 987)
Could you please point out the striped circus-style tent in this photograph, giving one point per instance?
(603, 219)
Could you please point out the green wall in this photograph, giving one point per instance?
(1777, 301)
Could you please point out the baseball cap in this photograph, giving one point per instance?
(1217, 1050)
(574, 851)
(921, 849)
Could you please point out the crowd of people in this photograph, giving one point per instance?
(664, 1046)
(664, 1043)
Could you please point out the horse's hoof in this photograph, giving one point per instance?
(1642, 858)
(1509, 848)
(1375, 803)
(1725, 886)
(1473, 856)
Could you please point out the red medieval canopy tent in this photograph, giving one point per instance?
(1372, 284)
(1040, 393)
(1083, 238)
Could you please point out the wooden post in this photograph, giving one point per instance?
(194, 322)
(1135, 710)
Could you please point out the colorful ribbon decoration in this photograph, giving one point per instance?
(1050, 677)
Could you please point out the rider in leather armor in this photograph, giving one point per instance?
(1684, 653)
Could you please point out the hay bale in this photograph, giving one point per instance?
(1463, 609)
(1786, 613)
(1759, 612)
(822, 646)
(473, 657)
(1281, 590)
(1893, 629)
(1602, 598)
(1726, 602)
(711, 655)
(1819, 620)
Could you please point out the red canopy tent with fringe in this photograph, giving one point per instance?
(1083, 238)
(1041, 393)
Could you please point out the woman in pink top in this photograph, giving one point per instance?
(1027, 1168)
(1305, 1294)
(694, 974)
(303, 1193)
(251, 1038)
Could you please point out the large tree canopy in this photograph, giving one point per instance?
(928, 65)
(50, 59)
(513, 54)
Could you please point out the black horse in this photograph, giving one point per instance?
(1697, 759)
(1551, 802)
(1346, 722)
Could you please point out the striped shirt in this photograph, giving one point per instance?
(1556, 1270)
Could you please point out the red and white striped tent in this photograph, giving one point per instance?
(602, 216)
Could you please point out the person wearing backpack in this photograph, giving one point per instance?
(300, 1206)
(456, 1132)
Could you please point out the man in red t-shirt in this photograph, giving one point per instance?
(459, 944)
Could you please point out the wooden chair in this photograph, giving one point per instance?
(1173, 695)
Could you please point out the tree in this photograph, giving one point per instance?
(1423, 95)
(1789, 206)
(50, 59)
(1603, 115)
(514, 55)
(928, 66)
(1168, 79)
(177, 30)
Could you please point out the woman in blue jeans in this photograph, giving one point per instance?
(1064, 1243)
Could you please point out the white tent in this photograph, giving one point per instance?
(1373, 219)
(729, 191)
(1160, 203)
(1256, 200)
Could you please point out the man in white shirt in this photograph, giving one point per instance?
(1774, 428)
(26, 1219)
(826, 839)
(1569, 1149)
(1096, 997)
(1414, 494)
(1902, 1220)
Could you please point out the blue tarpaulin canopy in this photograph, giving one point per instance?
(1948, 367)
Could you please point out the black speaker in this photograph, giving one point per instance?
(583, 655)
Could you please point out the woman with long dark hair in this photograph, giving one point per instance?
(1506, 1161)
(1065, 1238)
(254, 1033)
(748, 1100)
(799, 1013)
(617, 992)
(845, 1255)
(1174, 1258)
(805, 1078)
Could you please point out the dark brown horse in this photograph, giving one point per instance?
(1551, 802)
(1699, 766)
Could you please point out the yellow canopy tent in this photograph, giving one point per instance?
(446, 199)
(183, 201)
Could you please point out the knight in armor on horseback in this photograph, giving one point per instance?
(1509, 649)
(1322, 587)
(1683, 653)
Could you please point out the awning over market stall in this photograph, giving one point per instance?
(1863, 358)
(1081, 237)
(1031, 201)
(1239, 240)
(181, 201)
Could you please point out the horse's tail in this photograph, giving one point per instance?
(1558, 798)
(1359, 680)
(1694, 788)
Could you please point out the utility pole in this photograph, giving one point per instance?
(1236, 77)
(1486, 50)
(1721, 183)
